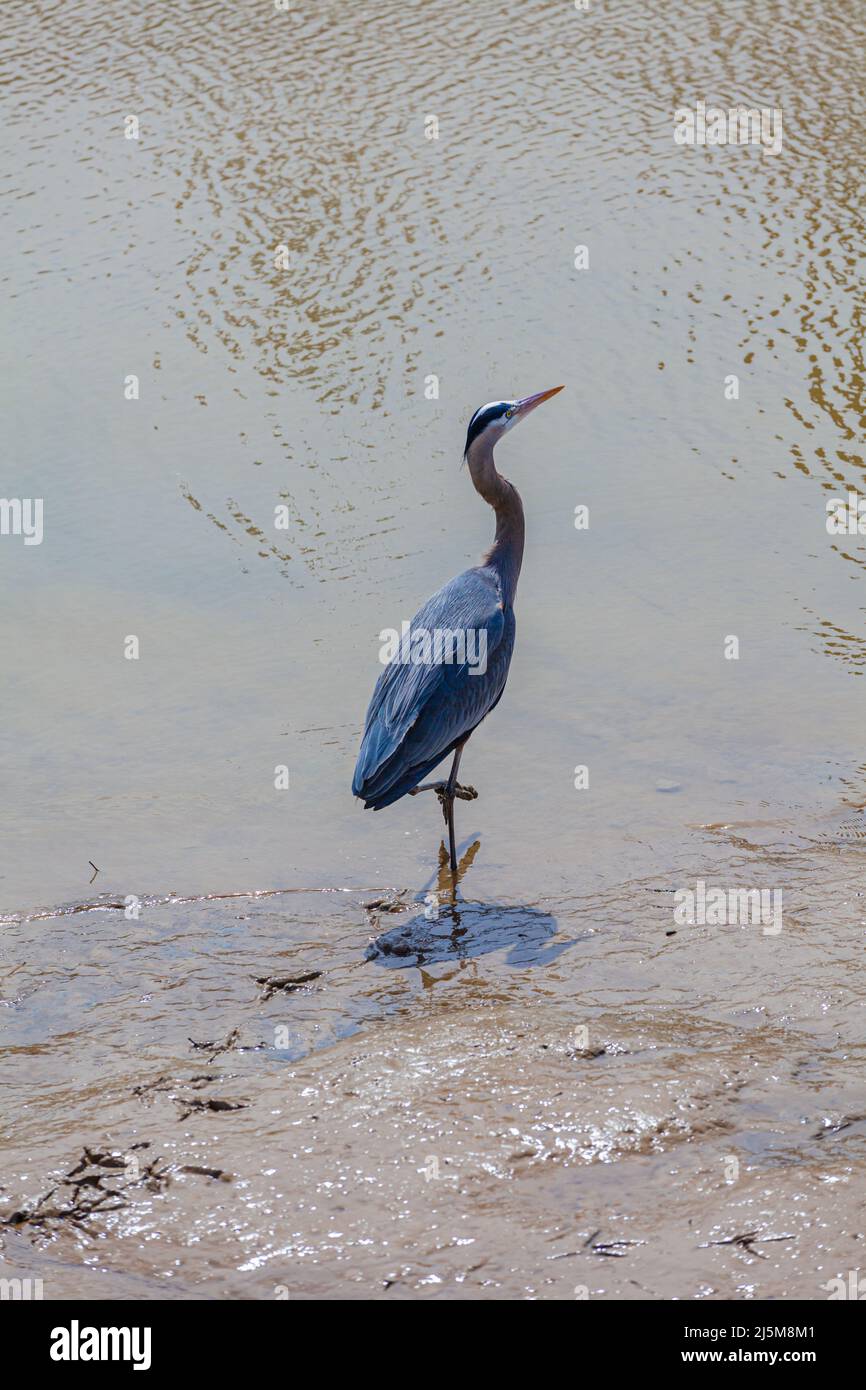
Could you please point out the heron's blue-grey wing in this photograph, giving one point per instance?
(419, 712)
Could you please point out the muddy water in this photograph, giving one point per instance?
(553, 1086)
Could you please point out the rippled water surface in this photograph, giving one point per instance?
(287, 1070)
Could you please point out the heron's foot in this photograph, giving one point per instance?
(464, 793)
(447, 796)
(443, 791)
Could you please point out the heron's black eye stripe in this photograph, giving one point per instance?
(482, 418)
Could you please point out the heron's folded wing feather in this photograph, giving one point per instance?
(424, 709)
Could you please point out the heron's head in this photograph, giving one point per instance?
(493, 419)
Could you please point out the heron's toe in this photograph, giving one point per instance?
(465, 793)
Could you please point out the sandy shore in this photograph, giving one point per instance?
(244, 1097)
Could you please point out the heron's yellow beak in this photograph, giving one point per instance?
(529, 403)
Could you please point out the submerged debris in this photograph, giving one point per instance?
(397, 903)
(218, 1173)
(614, 1248)
(285, 984)
(746, 1241)
(88, 1197)
(177, 1090)
(194, 1103)
(231, 1043)
(215, 1048)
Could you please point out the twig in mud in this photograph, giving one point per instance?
(94, 868)
(89, 1159)
(171, 1085)
(90, 1197)
(215, 1048)
(746, 1241)
(614, 1248)
(198, 1103)
(285, 984)
(174, 1088)
(207, 1172)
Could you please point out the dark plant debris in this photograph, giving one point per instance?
(746, 1241)
(218, 1173)
(284, 984)
(87, 1196)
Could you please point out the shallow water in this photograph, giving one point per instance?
(455, 1038)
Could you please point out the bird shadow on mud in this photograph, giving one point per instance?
(451, 927)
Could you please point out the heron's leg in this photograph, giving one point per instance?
(452, 776)
(446, 791)
(448, 808)
(447, 800)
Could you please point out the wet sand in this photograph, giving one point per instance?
(273, 1097)
(278, 1077)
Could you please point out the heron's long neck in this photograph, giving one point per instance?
(506, 553)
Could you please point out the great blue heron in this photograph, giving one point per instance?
(452, 664)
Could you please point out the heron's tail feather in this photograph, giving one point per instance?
(389, 782)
